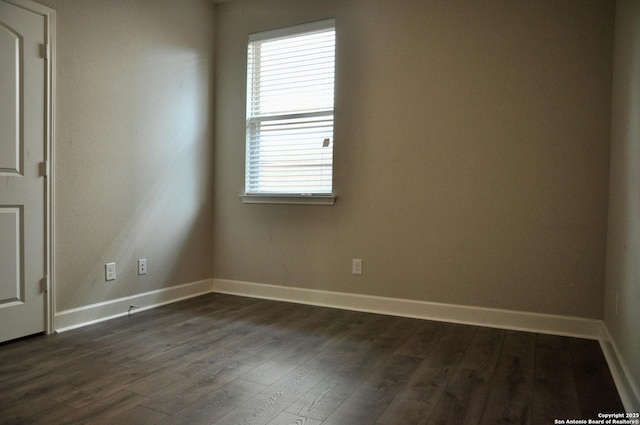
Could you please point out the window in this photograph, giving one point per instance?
(290, 90)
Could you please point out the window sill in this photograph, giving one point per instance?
(289, 199)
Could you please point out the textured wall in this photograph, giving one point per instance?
(133, 146)
(622, 312)
(471, 154)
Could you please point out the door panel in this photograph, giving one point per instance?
(23, 72)
(11, 282)
(10, 93)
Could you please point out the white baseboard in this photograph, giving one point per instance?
(496, 318)
(94, 313)
(628, 388)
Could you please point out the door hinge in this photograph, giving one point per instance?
(44, 284)
(46, 51)
(44, 169)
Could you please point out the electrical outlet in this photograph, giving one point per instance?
(142, 266)
(110, 271)
(356, 266)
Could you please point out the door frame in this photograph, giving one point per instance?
(49, 16)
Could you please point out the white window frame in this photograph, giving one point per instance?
(285, 197)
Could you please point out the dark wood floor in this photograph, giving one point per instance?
(220, 359)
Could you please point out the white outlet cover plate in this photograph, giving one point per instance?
(356, 266)
(110, 271)
(142, 266)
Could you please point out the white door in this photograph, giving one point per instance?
(23, 267)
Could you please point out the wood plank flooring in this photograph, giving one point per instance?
(220, 359)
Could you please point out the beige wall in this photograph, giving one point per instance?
(471, 154)
(133, 146)
(622, 312)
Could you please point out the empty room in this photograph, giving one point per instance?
(330, 212)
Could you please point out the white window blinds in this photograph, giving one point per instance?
(290, 87)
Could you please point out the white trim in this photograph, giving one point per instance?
(94, 313)
(309, 27)
(628, 388)
(51, 246)
(481, 316)
(289, 199)
(32, 6)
